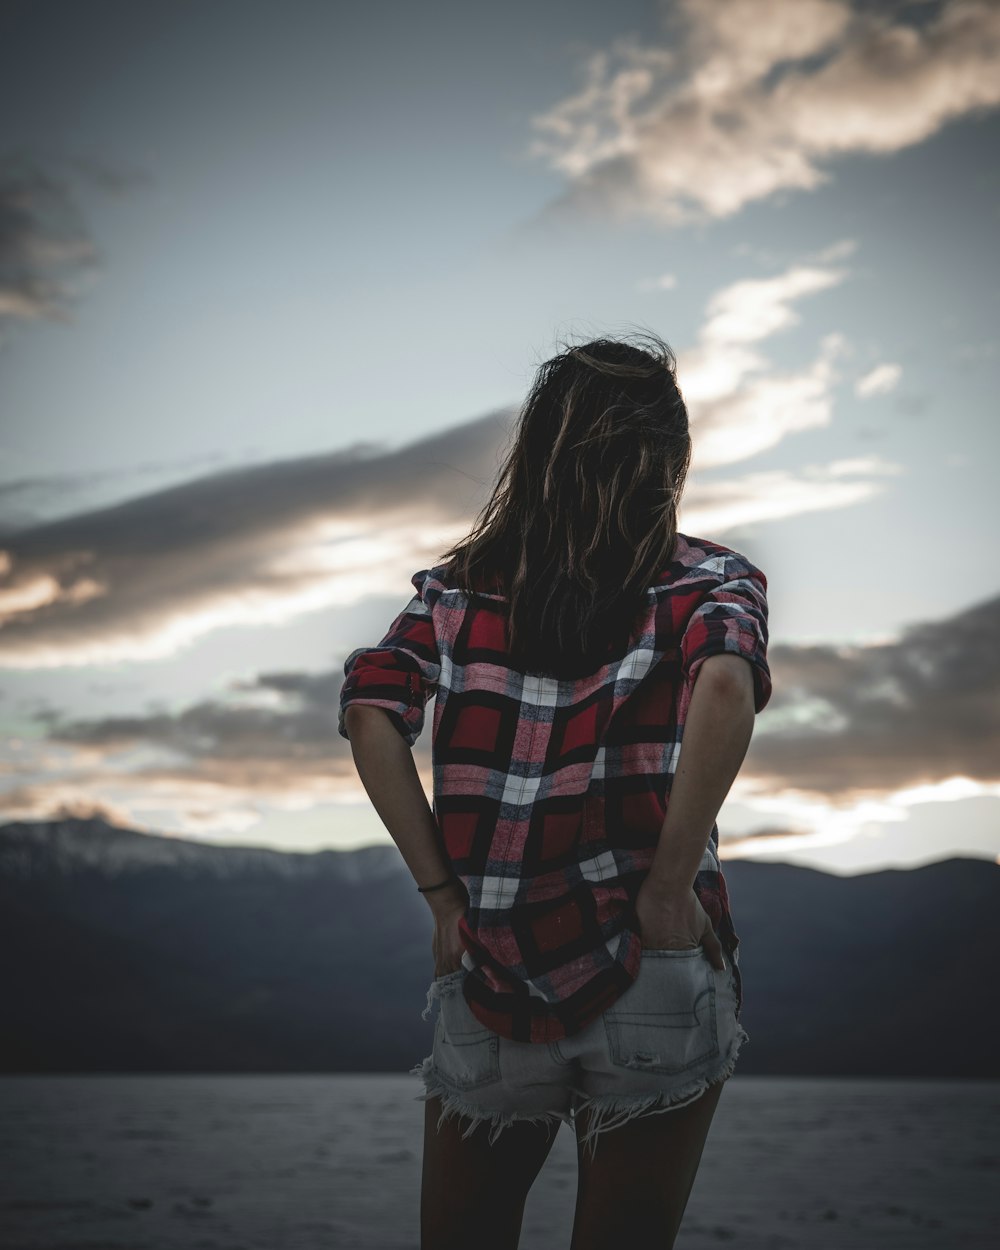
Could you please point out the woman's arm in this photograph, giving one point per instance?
(717, 733)
(388, 773)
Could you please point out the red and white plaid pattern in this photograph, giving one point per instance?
(550, 795)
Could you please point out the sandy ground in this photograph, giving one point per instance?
(309, 1162)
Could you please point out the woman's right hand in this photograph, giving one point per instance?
(676, 922)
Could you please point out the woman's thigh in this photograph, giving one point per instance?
(633, 1192)
(473, 1190)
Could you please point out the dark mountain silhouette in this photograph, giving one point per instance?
(124, 951)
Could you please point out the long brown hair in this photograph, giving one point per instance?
(583, 517)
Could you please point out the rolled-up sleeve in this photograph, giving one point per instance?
(400, 673)
(732, 618)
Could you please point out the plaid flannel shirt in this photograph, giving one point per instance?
(550, 795)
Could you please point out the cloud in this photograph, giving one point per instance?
(767, 836)
(852, 736)
(739, 403)
(746, 99)
(216, 765)
(265, 543)
(775, 494)
(260, 544)
(42, 242)
(846, 722)
(47, 257)
(879, 381)
(755, 308)
(27, 501)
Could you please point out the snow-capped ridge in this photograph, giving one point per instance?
(71, 845)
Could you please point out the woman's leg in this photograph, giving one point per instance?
(634, 1191)
(472, 1193)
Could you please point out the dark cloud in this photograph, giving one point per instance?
(878, 718)
(841, 722)
(291, 745)
(114, 576)
(29, 501)
(134, 579)
(303, 721)
(43, 243)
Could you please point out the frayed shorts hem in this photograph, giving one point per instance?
(609, 1111)
(454, 1104)
(606, 1111)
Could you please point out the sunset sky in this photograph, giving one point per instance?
(275, 279)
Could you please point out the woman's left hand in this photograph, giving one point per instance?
(447, 942)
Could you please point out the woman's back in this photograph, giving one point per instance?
(550, 794)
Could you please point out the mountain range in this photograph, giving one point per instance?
(123, 951)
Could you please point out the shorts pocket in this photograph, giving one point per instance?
(666, 1020)
(466, 1053)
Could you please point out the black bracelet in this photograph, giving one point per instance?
(425, 889)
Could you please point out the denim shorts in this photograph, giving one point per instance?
(663, 1041)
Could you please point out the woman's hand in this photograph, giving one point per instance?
(447, 942)
(670, 921)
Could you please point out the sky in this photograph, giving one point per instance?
(275, 279)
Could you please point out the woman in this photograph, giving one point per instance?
(585, 960)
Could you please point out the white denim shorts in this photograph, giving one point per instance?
(670, 1035)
